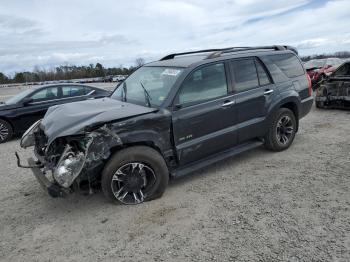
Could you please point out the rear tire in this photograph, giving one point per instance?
(282, 130)
(6, 131)
(134, 175)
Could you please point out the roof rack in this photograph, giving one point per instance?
(172, 56)
(218, 52)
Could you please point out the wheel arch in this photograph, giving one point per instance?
(290, 102)
(148, 143)
(292, 106)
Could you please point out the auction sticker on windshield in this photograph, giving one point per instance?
(171, 72)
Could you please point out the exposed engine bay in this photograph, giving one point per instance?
(334, 95)
(334, 92)
(72, 159)
(71, 149)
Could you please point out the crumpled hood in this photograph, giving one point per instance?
(72, 118)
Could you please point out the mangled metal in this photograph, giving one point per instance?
(73, 148)
(92, 151)
(334, 92)
(80, 155)
(77, 118)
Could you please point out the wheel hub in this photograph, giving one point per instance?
(131, 182)
(284, 130)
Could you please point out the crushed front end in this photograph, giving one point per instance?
(65, 164)
(334, 94)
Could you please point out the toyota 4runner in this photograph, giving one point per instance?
(169, 118)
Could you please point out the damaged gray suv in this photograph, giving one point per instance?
(169, 118)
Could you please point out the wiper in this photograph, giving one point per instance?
(147, 96)
(124, 92)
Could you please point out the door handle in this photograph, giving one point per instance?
(268, 92)
(228, 103)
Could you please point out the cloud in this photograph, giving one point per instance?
(47, 33)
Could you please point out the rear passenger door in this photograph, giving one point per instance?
(254, 92)
(204, 114)
(72, 93)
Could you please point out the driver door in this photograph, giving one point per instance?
(204, 121)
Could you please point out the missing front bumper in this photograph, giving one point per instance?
(53, 189)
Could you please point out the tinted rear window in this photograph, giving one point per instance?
(288, 63)
(245, 75)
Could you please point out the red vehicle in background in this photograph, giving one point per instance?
(318, 69)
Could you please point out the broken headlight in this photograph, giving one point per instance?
(69, 167)
(28, 137)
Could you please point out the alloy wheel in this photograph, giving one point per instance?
(131, 182)
(4, 132)
(285, 129)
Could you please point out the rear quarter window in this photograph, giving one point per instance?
(289, 64)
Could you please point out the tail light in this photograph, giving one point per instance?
(309, 84)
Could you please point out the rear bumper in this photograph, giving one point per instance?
(53, 189)
(305, 106)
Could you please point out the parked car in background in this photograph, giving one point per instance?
(169, 118)
(118, 78)
(318, 69)
(19, 112)
(334, 92)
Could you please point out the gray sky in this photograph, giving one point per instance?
(46, 33)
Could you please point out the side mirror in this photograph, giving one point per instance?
(27, 100)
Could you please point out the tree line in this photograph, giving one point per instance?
(68, 72)
(342, 55)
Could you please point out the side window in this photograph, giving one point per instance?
(87, 90)
(71, 91)
(204, 84)
(262, 74)
(49, 93)
(288, 64)
(245, 75)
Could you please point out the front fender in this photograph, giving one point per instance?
(159, 140)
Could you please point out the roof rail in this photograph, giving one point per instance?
(218, 52)
(238, 49)
(172, 56)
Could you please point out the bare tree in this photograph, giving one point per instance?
(139, 62)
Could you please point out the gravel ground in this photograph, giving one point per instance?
(258, 206)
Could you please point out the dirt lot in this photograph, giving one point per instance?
(259, 206)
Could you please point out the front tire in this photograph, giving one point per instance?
(282, 130)
(6, 131)
(134, 175)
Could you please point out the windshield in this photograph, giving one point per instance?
(315, 64)
(148, 85)
(17, 98)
